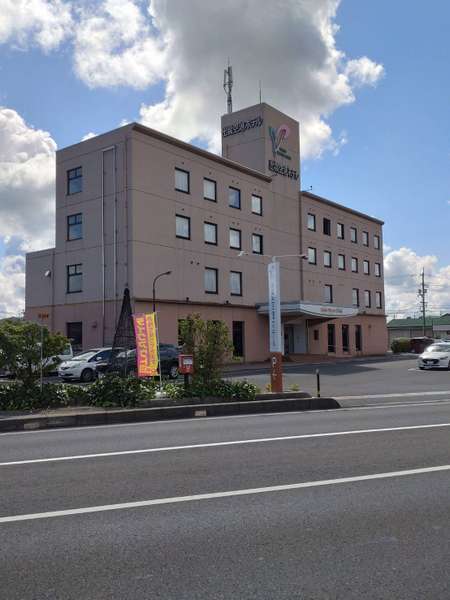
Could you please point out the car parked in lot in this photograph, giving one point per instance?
(436, 356)
(83, 367)
(126, 362)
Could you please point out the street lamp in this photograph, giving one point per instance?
(154, 286)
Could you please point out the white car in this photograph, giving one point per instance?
(83, 367)
(436, 356)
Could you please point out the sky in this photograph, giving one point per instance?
(368, 81)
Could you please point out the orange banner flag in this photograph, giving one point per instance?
(146, 344)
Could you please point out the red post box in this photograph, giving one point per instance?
(185, 364)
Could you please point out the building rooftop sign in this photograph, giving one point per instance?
(241, 126)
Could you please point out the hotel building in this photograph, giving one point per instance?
(134, 203)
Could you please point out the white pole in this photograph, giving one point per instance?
(42, 357)
(159, 354)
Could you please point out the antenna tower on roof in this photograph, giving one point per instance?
(228, 86)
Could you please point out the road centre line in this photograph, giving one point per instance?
(221, 444)
(217, 495)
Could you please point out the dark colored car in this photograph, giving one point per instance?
(126, 362)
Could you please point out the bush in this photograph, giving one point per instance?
(227, 390)
(17, 396)
(113, 390)
(401, 345)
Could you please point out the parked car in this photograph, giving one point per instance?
(436, 356)
(420, 344)
(126, 362)
(55, 361)
(83, 367)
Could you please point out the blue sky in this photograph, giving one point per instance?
(395, 164)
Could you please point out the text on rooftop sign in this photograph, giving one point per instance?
(241, 126)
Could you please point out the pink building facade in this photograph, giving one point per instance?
(134, 203)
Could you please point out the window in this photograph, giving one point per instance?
(74, 227)
(312, 256)
(366, 267)
(235, 238)
(210, 232)
(74, 278)
(257, 243)
(345, 338)
(236, 283)
(257, 205)
(353, 235)
(365, 238)
(327, 227)
(376, 242)
(183, 227)
(377, 270)
(331, 338)
(340, 231)
(378, 300)
(355, 297)
(209, 190)
(74, 333)
(328, 294)
(367, 299)
(358, 338)
(211, 277)
(341, 262)
(74, 181)
(238, 338)
(234, 197)
(354, 265)
(311, 222)
(327, 259)
(316, 335)
(182, 181)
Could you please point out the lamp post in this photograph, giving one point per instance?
(154, 287)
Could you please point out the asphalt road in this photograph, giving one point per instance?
(362, 507)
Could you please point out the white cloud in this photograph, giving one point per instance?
(364, 71)
(42, 22)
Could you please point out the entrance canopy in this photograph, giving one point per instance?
(308, 309)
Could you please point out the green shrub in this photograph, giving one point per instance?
(228, 390)
(401, 345)
(113, 390)
(294, 387)
(17, 396)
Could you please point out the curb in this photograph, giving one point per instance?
(109, 417)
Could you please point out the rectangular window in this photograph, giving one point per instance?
(74, 227)
(211, 280)
(376, 242)
(355, 297)
(74, 278)
(183, 227)
(257, 208)
(257, 243)
(341, 262)
(238, 338)
(345, 338)
(327, 226)
(234, 197)
(366, 267)
(311, 222)
(365, 238)
(331, 338)
(377, 270)
(353, 235)
(209, 190)
(182, 181)
(210, 232)
(316, 335)
(367, 299)
(74, 181)
(74, 333)
(378, 300)
(327, 259)
(312, 256)
(358, 338)
(340, 231)
(354, 265)
(328, 294)
(235, 238)
(236, 283)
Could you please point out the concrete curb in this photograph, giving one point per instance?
(108, 417)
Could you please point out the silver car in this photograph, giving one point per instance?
(83, 367)
(436, 356)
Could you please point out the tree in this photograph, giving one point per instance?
(20, 349)
(209, 343)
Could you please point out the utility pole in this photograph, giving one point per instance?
(422, 294)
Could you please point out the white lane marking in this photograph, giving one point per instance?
(397, 395)
(284, 438)
(215, 495)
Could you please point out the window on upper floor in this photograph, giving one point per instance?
(74, 181)
(257, 208)
(74, 227)
(354, 265)
(341, 262)
(355, 297)
(209, 189)
(353, 235)
(326, 226)
(182, 181)
(235, 239)
(311, 222)
(312, 256)
(210, 233)
(183, 227)
(340, 232)
(367, 298)
(235, 283)
(378, 300)
(376, 242)
(366, 267)
(211, 280)
(257, 243)
(328, 293)
(377, 270)
(74, 278)
(234, 197)
(365, 238)
(327, 259)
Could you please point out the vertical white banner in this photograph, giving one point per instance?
(273, 273)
